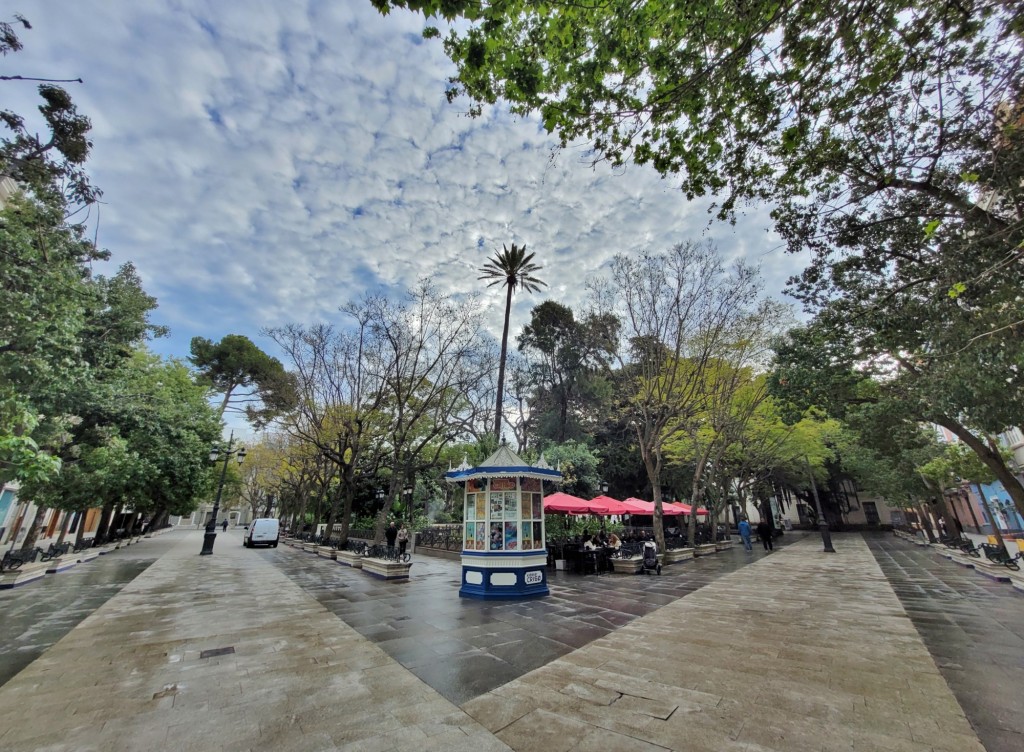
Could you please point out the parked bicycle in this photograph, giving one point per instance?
(389, 553)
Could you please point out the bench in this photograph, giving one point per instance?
(14, 559)
(55, 551)
(998, 555)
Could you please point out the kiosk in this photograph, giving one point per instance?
(504, 551)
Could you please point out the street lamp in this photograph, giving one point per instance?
(826, 536)
(211, 526)
(380, 496)
(407, 499)
(604, 487)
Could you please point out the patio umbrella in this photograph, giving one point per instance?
(614, 506)
(563, 502)
(687, 508)
(639, 506)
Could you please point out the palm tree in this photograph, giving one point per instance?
(512, 268)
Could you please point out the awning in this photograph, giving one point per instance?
(614, 506)
(668, 508)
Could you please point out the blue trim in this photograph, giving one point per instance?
(486, 591)
(536, 552)
(487, 472)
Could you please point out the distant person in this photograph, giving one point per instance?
(764, 532)
(744, 529)
(391, 534)
(403, 538)
(614, 542)
(224, 526)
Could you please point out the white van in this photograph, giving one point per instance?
(262, 531)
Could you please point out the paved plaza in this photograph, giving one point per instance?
(883, 646)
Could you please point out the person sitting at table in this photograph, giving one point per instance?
(614, 542)
(588, 543)
(602, 538)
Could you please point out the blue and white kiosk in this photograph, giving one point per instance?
(504, 551)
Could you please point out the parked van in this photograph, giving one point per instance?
(262, 531)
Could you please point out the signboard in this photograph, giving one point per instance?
(533, 578)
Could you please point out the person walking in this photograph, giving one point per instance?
(764, 532)
(390, 534)
(403, 538)
(744, 529)
(224, 526)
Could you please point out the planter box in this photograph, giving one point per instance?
(325, 552)
(386, 570)
(723, 545)
(310, 547)
(349, 559)
(559, 565)
(24, 574)
(627, 566)
(61, 563)
(674, 555)
(997, 572)
(705, 549)
(87, 555)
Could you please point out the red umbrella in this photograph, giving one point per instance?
(614, 506)
(688, 508)
(639, 506)
(563, 502)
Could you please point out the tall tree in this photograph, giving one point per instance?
(249, 380)
(678, 310)
(510, 268)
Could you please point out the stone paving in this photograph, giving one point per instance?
(797, 651)
(974, 629)
(38, 614)
(463, 647)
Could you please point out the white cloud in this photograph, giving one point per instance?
(265, 162)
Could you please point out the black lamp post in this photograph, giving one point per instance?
(604, 487)
(380, 496)
(826, 536)
(407, 498)
(211, 527)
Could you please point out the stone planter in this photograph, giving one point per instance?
(349, 559)
(24, 574)
(326, 552)
(674, 555)
(386, 570)
(61, 563)
(87, 554)
(627, 566)
(723, 545)
(310, 547)
(705, 549)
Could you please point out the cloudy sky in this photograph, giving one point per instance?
(265, 162)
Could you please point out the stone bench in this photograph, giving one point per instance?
(674, 555)
(386, 569)
(24, 574)
(630, 565)
(349, 559)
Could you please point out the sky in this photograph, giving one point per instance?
(264, 163)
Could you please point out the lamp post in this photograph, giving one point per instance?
(826, 536)
(604, 487)
(380, 496)
(407, 500)
(211, 527)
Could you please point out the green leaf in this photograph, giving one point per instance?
(957, 290)
(931, 227)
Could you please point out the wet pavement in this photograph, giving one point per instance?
(464, 647)
(973, 627)
(37, 615)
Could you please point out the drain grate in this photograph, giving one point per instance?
(217, 651)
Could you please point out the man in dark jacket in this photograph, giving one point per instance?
(764, 532)
(391, 533)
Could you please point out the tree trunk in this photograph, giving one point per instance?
(105, 515)
(926, 522)
(64, 526)
(501, 366)
(33, 530)
(991, 458)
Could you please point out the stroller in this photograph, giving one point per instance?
(650, 562)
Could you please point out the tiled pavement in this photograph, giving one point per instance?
(974, 629)
(798, 651)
